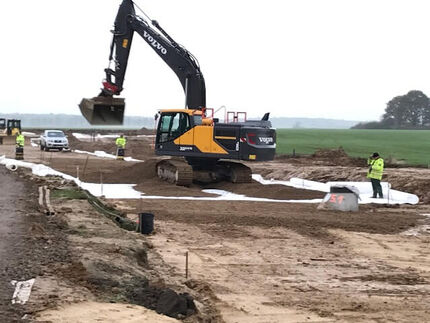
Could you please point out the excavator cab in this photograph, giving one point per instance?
(8, 130)
(13, 127)
(103, 110)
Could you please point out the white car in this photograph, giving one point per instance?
(53, 139)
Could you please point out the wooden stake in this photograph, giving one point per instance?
(85, 166)
(50, 210)
(388, 193)
(101, 184)
(140, 205)
(186, 265)
(41, 196)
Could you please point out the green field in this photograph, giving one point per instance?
(408, 146)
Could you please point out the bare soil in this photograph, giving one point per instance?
(247, 261)
(31, 245)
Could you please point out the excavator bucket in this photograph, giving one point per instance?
(103, 110)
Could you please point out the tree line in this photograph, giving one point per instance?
(409, 111)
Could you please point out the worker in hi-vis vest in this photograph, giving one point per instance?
(120, 147)
(121, 142)
(20, 140)
(376, 168)
(19, 150)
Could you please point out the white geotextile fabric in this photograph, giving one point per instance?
(102, 154)
(124, 191)
(78, 135)
(365, 188)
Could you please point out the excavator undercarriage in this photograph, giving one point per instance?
(175, 171)
(180, 172)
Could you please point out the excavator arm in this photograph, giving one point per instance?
(106, 109)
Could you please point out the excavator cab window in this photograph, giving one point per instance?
(197, 120)
(172, 125)
(13, 126)
(2, 123)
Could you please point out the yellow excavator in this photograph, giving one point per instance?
(8, 130)
(206, 148)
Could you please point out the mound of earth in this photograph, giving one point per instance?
(107, 146)
(337, 157)
(113, 171)
(277, 192)
(137, 147)
(418, 185)
(324, 157)
(330, 153)
(135, 173)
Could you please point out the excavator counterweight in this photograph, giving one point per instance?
(103, 110)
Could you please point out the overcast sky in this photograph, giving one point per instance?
(295, 58)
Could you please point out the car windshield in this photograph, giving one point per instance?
(55, 134)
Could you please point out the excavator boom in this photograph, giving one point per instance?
(106, 110)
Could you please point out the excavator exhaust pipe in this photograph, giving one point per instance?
(103, 110)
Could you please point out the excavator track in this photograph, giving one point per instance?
(179, 172)
(236, 172)
(175, 171)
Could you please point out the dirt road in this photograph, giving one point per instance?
(25, 245)
(12, 228)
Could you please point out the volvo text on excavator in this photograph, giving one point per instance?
(208, 146)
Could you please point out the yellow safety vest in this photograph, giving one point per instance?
(20, 140)
(120, 142)
(376, 168)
